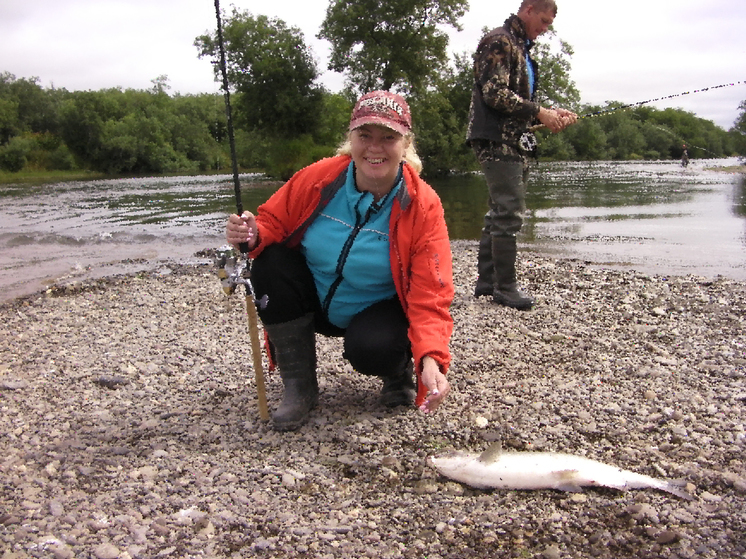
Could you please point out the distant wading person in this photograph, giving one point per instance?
(502, 110)
(356, 246)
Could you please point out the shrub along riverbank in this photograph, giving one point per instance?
(116, 131)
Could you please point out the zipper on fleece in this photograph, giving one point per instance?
(360, 222)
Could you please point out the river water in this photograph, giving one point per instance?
(654, 217)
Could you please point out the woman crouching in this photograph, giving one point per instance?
(356, 246)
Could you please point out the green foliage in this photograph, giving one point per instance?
(740, 124)
(284, 121)
(273, 69)
(13, 156)
(619, 133)
(131, 131)
(26, 107)
(738, 132)
(8, 119)
(36, 151)
(623, 136)
(440, 116)
(335, 118)
(286, 156)
(390, 44)
(588, 140)
(555, 85)
(556, 147)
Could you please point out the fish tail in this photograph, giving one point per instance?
(676, 487)
(673, 486)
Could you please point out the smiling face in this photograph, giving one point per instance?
(377, 152)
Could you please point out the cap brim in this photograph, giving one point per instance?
(398, 128)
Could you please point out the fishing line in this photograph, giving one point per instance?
(667, 131)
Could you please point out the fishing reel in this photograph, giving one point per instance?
(234, 270)
(528, 143)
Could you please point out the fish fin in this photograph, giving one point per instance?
(492, 453)
(566, 480)
(569, 486)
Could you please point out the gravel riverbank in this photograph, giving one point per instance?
(130, 427)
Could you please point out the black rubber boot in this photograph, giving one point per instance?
(505, 292)
(295, 354)
(399, 389)
(485, 268)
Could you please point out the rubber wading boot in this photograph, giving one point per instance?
(399, 389)
(295, 354)
(505, 292)
(485, 268)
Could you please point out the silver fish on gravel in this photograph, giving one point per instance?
(494, 469)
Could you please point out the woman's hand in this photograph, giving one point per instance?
(242, 229)
(436, 384)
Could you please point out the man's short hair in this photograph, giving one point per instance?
(540, 5)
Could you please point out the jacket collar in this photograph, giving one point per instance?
(516, 26)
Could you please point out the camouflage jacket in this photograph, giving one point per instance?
(501, 104)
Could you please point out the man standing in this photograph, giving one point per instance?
(502, 110)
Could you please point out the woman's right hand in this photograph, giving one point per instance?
(241, 229)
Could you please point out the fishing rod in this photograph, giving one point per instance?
(231, 136)
(234, 271)
(640, 103)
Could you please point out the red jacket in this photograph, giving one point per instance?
(420, 251)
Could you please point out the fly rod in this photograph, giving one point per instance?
(639, 103)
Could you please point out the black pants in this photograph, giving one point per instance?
(375, 342)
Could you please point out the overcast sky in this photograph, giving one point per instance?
(628, 51)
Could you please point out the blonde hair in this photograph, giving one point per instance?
(410, 152)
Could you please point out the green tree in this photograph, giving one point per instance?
(9, 125)
(83, 116)
(390, 44)
(14, 155)
(625, 140)
(197, 127)
(555, 147)
(738, 132)
(740, 124)
(555, 85)
(335, 118)
(660, 142)
(132, 131)
(440, 116)
(588, 140)
(274, 71)
(26, 107)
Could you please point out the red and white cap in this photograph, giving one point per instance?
(383, 108)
